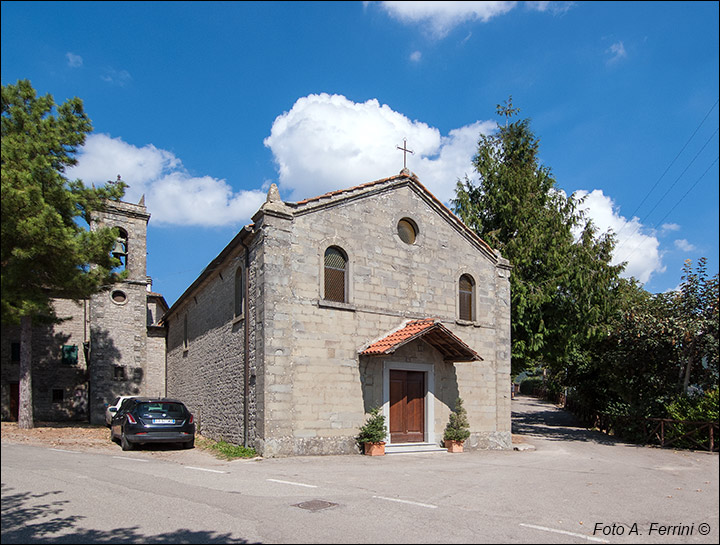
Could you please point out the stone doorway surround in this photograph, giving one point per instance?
(429, 370)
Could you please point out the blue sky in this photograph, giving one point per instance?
(201, 106)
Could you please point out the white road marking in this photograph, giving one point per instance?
(553, 530)
(290, 482)
(128, 458)
(203, 469)
(63, 450)
(429, 506)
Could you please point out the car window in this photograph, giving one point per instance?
(175, 410)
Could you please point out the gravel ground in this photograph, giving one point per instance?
(84, 437)
(59, 435)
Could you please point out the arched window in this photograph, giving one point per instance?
(120, 249)
(467, 297)
(239, 292)
(335, 275)
(186, 338)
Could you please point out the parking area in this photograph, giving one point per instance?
(575, 486)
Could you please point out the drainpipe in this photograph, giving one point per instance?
(246, 348)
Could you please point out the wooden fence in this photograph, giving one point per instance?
(664, 432)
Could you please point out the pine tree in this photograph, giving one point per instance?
(46, 251)
(458, 427)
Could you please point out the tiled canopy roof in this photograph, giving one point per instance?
(432, 332)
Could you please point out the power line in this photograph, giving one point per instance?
(671, 186)
(674, 207)
(671, 163)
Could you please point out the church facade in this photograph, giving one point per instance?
(320, 310)
(104, 347)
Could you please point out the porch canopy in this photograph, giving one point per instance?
(432, 332)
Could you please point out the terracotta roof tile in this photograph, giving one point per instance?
(437, 335)
(396, 339)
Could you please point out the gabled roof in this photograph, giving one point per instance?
(404, 179)
(432, 332)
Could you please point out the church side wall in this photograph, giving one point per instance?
(208, 374)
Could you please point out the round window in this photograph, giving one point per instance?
(118, 297)
(407, 231)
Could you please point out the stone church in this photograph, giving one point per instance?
(320, 310)
(106, 346)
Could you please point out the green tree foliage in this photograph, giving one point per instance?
(662, 348)
(458, 427)
(696, 308)
(46, 251)
(562, 281)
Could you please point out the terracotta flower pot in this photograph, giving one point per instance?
(375, 449)
(454, 446)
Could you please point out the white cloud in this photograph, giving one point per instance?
(617, 52)
(441, 17)
(116, 77)
(74, 61)
(415, 56)
(327, 142)
(640, 250)
(684, 245)
(172, 195)
(669, 227)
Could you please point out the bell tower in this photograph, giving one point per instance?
(118, 347)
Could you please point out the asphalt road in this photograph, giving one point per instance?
(575, 486)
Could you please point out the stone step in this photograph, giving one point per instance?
(412, 448)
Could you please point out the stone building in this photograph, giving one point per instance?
(320, 310)
(106, 346)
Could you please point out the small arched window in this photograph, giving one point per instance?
(186, 338)
(239, 292)
(467, 297)
(335, 275)
(120, 249)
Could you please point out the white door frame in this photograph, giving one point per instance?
(429, 370)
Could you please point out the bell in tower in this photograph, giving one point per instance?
(119, 251)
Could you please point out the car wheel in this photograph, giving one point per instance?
(189, 444)
(124, 443)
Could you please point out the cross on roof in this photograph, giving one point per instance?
(405, 152)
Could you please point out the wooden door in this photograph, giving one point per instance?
(407, 406)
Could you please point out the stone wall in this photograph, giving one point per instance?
(207, 373)
(51, 378)
(314, 398)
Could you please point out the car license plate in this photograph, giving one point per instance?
(163, 420)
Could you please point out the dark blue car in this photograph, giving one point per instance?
(152, 420)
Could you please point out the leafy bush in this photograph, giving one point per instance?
(374, 430)
(458, 427)
(693, 408)
(696, 408)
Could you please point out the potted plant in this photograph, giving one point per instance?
(457, 429)
(372, 433)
